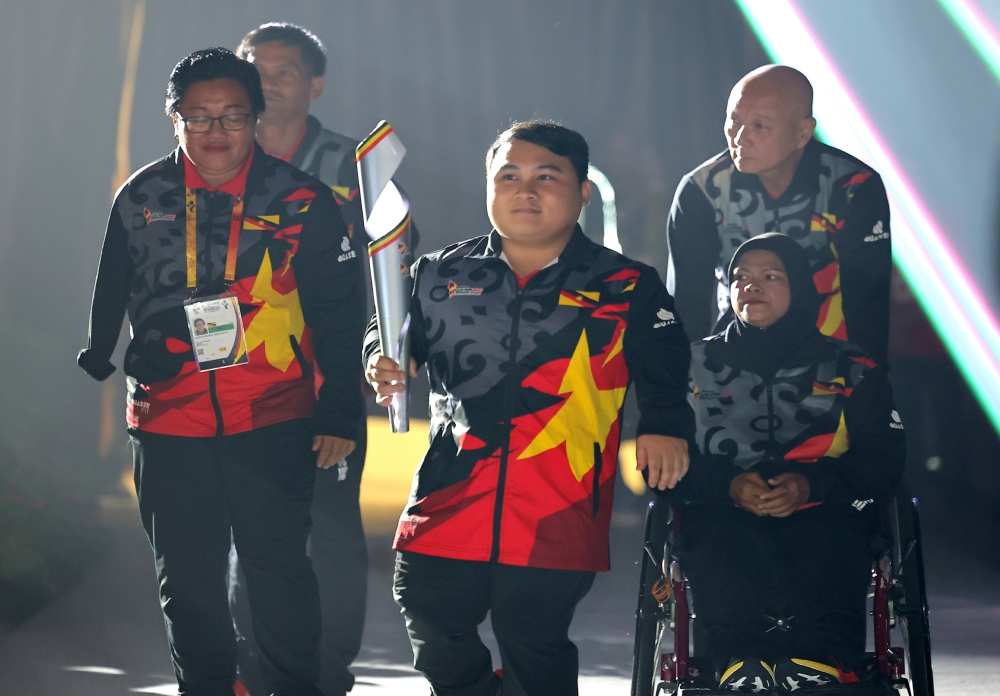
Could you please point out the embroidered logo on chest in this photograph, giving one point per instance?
(713, 395)
(157, 216)
(462, 290)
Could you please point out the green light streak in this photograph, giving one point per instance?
(977, 30)
(947, 294)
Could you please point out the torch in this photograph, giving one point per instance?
(387, 222)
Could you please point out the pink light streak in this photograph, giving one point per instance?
(935, 273)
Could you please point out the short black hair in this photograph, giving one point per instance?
(214, 64)
(555, 138)
(310, 47)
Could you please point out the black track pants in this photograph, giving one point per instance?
(444, 600)
(340, 559)
(814, 565)
(254, 489)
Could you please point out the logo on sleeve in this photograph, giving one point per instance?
(859, 505)
(878, 233)
(345, 245)
(666, 318)
(896, 422)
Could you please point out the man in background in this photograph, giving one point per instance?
(292, 62)
(776, 177)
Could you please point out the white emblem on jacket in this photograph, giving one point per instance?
(345, 245)
(666, 318)
(878, 233)
(896, 422)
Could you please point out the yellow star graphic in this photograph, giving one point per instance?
(584, 418)
(276, 321)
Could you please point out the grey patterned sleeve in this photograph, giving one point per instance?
(111, 296)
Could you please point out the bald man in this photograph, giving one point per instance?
(776, 177)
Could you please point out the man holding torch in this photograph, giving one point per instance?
(531, 336)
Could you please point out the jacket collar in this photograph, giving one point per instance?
(805, 181)
(254, 176)
(491, 246)
(811, 348)
(175, 169)
(313, 127)
(261, 165)
(234, 187)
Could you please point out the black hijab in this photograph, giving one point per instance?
(793, 340)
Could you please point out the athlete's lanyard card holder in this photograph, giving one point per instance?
(216, 327)
(215, 322)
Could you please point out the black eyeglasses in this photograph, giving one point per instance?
(203, 124)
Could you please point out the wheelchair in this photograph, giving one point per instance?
(899, 600)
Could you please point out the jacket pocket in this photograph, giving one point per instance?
(437, 470)
(305, 365)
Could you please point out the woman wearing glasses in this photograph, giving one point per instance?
(225, 257)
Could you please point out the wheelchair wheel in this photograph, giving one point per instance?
(911, 610)
(650, 617)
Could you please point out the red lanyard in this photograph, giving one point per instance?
(191, 220)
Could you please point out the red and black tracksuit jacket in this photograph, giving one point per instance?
(527, 387)
(828, 414)
(299, 293)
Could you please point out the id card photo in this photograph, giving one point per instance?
(216, 328)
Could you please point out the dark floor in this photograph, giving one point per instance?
(106, 636)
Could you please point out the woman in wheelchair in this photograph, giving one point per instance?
(799, 437)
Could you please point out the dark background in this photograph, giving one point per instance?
(645, 81)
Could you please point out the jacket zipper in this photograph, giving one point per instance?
(598, 466)
(507, 422)
(770, 419)
(220, 429)
(774, 210)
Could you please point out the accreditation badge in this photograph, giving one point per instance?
(216, 327)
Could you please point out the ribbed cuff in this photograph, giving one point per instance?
(818, 483)
(677, 422)
(337, 425)
(98, 368)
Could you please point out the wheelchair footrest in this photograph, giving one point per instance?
(840, 690)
